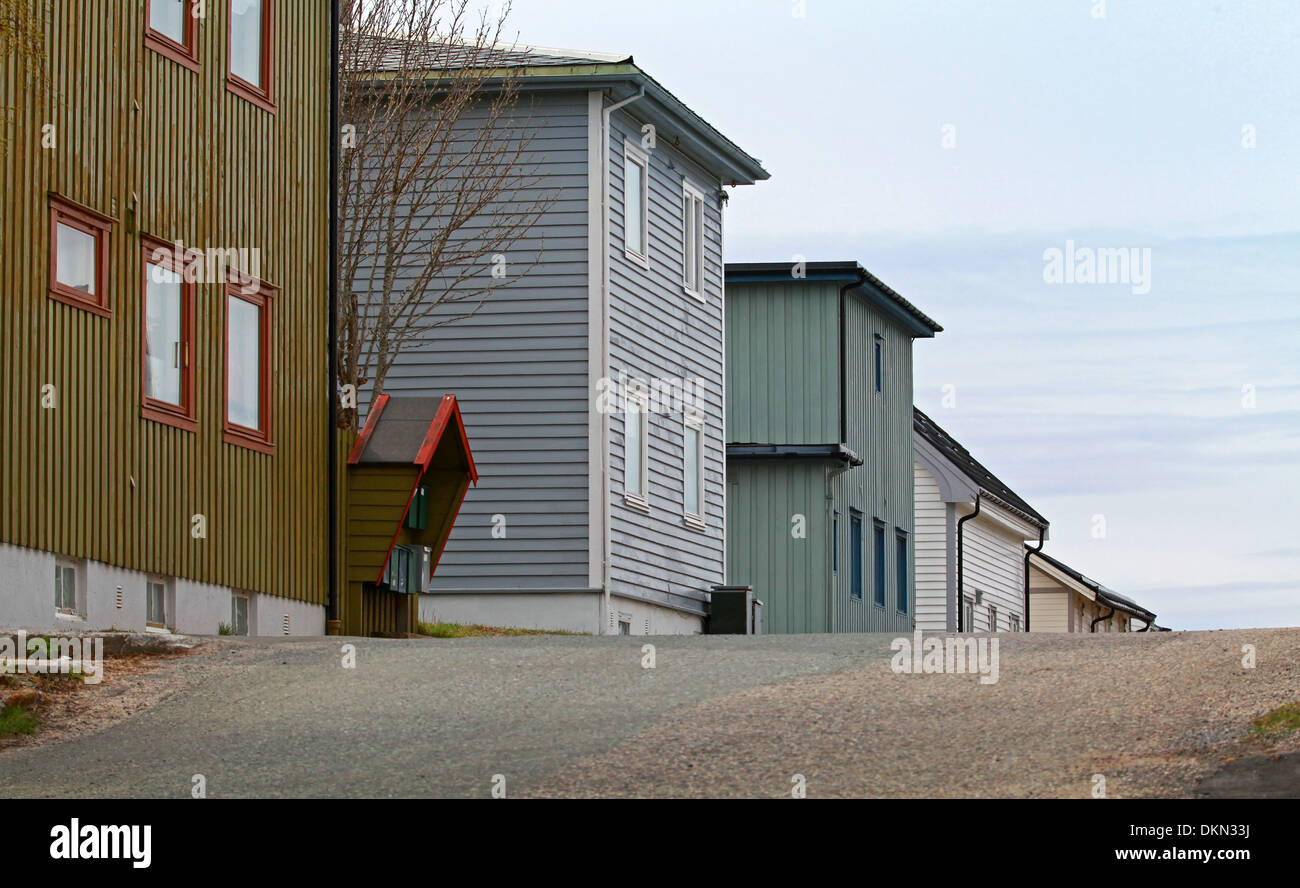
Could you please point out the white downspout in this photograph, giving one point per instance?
(604, 356)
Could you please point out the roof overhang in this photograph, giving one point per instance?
(866, 285)
(835, 452)
(674, 121)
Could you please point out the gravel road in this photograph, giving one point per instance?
(1154, 714)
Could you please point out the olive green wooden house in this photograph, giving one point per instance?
(407, 475)
(819, 445)
(164, 294)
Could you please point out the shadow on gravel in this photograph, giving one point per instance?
(1256, 777)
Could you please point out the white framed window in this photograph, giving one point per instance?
(692, 240)
(157, 603)
(636, 201)
(968, 615)
(693, 469)
(636, 428)
(67, 597)
(993, 618)
(1014, 621)
(238, 613)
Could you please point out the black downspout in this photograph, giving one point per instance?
(332, 611)
(844, 396)
(961, 580)
(1042, 538)
(1096, 620)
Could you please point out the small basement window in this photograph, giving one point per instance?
(238, 614)
(155, 605)
(65, 588)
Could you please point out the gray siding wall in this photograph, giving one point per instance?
(519, 370)
(658, 331)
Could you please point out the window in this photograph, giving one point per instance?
(636, 167)
(171, 29)
(167, 337)
(624, 627)
(155, 604)
(635, 448)
(880, 363)
(248, 363)
(878, 590)
(693, 240)
(900, 539)
(1014, 622)
(79, 256)
(967, 615)
(65, 588)
(855, 555)
(993, 618)
(248, 59)
(693, 457)
(238, 614)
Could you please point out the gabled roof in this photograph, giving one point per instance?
(1105, 596)
(950, 449)
(409, 431)
(872, 288)
(547, 68)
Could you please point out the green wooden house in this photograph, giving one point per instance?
(819, 445)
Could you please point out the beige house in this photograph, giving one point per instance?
(1063, 600)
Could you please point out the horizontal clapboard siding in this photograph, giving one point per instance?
(519, 370)
(993, 564)
(659, 332)
(931, 552)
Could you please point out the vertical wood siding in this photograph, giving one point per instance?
(784, 381)
(169, 152)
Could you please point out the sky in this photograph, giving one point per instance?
(948, 147)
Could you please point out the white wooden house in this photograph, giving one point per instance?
(971, 531)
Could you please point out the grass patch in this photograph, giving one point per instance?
(1283, 720)
(455, 630)
(17, 720)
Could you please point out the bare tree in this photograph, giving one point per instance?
(435, 184)
(22, 40)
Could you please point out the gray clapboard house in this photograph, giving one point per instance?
(819, 452)
(600, 505)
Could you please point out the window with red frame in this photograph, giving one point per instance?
(171, 28)
(79, 256)
(248, 363)
(167, 336)
(248, 51)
